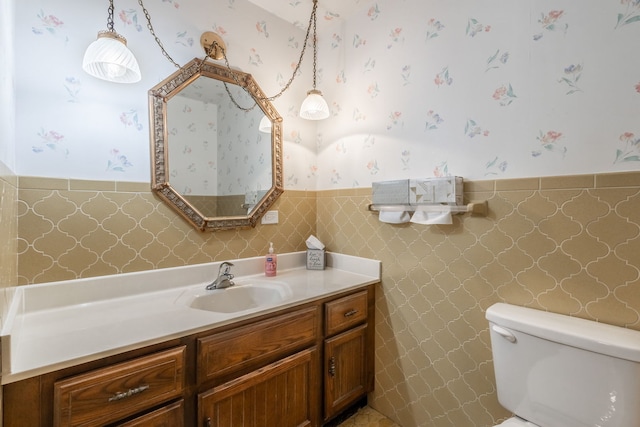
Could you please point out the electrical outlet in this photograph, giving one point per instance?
(270, 217)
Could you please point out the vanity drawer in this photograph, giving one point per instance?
(346, 312)
(240, 350)
(106, 395)
(170, 415)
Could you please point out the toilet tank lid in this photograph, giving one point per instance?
(597, 337)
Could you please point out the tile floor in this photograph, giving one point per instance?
(367, 417)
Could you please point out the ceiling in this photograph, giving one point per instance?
(297, 11)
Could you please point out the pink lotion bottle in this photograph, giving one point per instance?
(270, 262)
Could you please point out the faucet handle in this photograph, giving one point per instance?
(227, 268)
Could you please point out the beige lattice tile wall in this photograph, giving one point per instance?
(70, 229)
(566, 244)
(9, 234)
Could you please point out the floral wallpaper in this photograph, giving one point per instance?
(244, 153)
(491, 89)
(215, 148)
(496, 89)
(193, 161)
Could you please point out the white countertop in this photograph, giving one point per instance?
(57, 325)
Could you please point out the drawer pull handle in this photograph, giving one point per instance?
(131, 392)
(332, 366)
(350, 313)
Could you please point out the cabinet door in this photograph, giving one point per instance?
(345, 370)
(282, 394)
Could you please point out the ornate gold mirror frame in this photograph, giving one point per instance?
(159, 95)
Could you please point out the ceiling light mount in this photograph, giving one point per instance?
(213, 45)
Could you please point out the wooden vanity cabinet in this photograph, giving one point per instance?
(293, 384)
(142, 385)
(262, 374)
(348, 351)
(300, 366)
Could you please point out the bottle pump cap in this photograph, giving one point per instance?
(270, 247)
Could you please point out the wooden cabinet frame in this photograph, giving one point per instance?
(300, 353)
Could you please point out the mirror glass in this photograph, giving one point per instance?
(211, 162)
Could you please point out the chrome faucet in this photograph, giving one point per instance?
(224, 277)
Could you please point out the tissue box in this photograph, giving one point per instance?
(390, 192)
(424, 191)
(427, 191)
(315, 259)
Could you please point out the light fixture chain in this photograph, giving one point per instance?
(312, 20)
(153, 33)
(214, 46)
(226, 87)
(110, 17)
(315, 42)
(312, 23)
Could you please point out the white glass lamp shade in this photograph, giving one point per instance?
(314, 107)
(265, 125)
(108, 58)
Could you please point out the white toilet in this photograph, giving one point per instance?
(560, 371)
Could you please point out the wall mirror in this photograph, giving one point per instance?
(210, 161)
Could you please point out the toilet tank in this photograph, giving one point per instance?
(561, 371)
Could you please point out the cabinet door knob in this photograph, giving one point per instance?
(332, 366)
(350, 313)
(207, 422)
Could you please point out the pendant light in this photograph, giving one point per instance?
(108, 58)
(314, 107)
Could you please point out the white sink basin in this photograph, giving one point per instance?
(241, 297)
